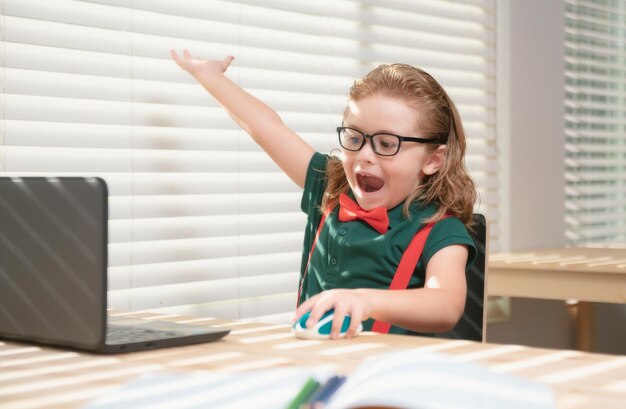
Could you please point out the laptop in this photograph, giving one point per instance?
(53, 271)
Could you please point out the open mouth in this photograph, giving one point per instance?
(369, 183)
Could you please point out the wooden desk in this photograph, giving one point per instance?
(582, 273)
(586, 274)
(37, 377)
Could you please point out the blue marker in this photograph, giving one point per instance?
(323, 395)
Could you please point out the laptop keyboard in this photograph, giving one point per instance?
(117, 334)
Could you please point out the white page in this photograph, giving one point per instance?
(415, 379)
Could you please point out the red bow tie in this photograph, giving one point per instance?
(349, 211)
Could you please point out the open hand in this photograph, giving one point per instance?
(197, 66)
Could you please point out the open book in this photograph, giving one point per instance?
(409, 379)
(415, 379)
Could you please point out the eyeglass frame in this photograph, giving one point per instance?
(370, 136)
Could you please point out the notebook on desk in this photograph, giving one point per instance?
(53, 271)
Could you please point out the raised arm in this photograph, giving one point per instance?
(290, 152)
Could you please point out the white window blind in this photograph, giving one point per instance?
(201, 221)
(595, 121)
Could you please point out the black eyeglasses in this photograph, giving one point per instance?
(383, 144)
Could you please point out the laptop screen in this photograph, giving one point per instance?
(53, 260)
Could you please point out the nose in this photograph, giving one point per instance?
(366, 154)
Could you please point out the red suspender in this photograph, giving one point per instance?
(405, 269)
(306, 269)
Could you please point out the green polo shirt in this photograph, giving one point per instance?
(354, 255)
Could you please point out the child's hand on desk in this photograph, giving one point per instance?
(198, 67)
(354, 303)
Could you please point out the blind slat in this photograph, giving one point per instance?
(197, 249)
(203, 227)
(150, 275)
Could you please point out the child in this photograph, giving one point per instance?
(402, 164)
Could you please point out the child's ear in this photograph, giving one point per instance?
(435, 161)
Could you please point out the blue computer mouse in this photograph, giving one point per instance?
(321, 330)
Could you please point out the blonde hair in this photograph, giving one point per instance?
(451, 188)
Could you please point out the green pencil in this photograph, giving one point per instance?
(309, 387)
